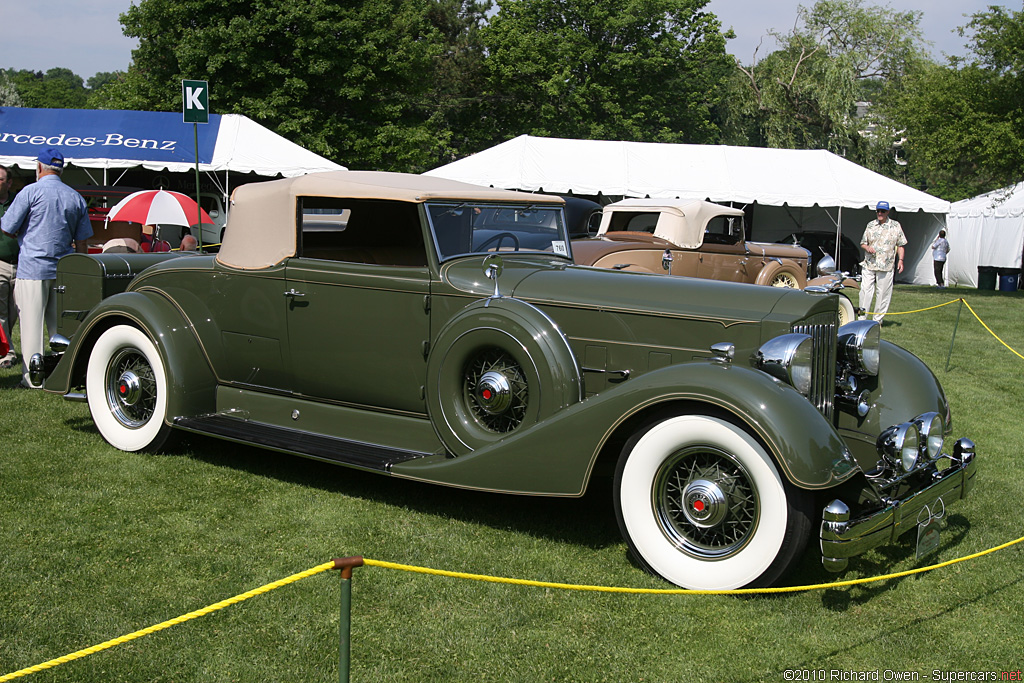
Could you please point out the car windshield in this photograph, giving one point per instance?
(462, 228)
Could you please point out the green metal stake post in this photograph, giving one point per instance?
(346, 565)
(199, 209)
(958, 312)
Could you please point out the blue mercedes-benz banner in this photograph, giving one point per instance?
(92, 134)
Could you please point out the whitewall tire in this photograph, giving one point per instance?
(126, 385)
(702, 505)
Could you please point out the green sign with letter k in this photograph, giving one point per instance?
(195, 106)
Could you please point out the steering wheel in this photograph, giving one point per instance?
(497, 241)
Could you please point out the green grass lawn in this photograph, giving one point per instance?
(96, 543)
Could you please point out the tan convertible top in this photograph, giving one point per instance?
(680, 221)
(262, 231)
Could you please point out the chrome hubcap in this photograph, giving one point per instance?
(493, 393)
(704, 503)
(129, 389)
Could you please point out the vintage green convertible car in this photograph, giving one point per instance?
(437, 331)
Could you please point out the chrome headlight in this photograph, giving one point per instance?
(900, 446)
(788, 358)
(859, 345)
(932, 429)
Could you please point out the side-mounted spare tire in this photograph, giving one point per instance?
(498, 366)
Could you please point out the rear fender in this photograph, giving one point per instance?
(557, 456)
(191, 380)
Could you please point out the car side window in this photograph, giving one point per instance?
(634, 221)
(373, 231)
(722, 230)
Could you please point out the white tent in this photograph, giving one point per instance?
(987, 230)
(790, 190)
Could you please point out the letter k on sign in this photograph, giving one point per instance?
(195, 96)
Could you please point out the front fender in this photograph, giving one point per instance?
(191, 381)
(557, 456)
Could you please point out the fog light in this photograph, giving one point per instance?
(931, 428)
(899, 446)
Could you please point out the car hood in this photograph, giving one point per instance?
(657, 295)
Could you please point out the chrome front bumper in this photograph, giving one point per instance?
(843, 538)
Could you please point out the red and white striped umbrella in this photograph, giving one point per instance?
(157, 207)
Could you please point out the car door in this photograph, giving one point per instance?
(723, 256)
(251, 348)
(358, 306)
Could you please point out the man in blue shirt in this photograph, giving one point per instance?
(50, 220)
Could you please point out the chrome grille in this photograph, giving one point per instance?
(822, 330)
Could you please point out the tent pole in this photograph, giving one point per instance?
(839, 238)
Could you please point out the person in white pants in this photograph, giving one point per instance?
(883, 243)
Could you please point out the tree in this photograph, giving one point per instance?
(9, 96)
(58, 88)
(964, 121)
(346, 80)
(643, 70)
(803, 95)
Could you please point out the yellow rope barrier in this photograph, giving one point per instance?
(920, 310)
(167, 624)
(978, 317)
(990, 329)
(684, 591)
(482, 577)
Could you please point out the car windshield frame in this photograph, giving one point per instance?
(467, 228)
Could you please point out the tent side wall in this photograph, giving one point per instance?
(983, 239)
(772, 223)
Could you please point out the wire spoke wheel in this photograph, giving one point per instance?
(127, 390)
(785, 279)
(496, 390)
(131, 388)
(701, 504)
(706, 503)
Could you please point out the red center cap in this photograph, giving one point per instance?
(698, 505)
(123, 388)
(487, 394)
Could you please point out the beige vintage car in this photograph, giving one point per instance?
(694, 238)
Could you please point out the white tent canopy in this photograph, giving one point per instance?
(720, 173)
(987, 230)
(791, 190)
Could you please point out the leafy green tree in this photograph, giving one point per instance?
(350, 81)
(803, 95)
(58, 88)
(964, 121)
(9, 96)
(643, 70)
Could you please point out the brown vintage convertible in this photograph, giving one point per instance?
(694, 238)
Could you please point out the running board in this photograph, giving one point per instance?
(354, 453)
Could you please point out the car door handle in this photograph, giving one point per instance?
(291, 293)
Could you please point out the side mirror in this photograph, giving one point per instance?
(493, 265)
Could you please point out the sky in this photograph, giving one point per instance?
(85, 35)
